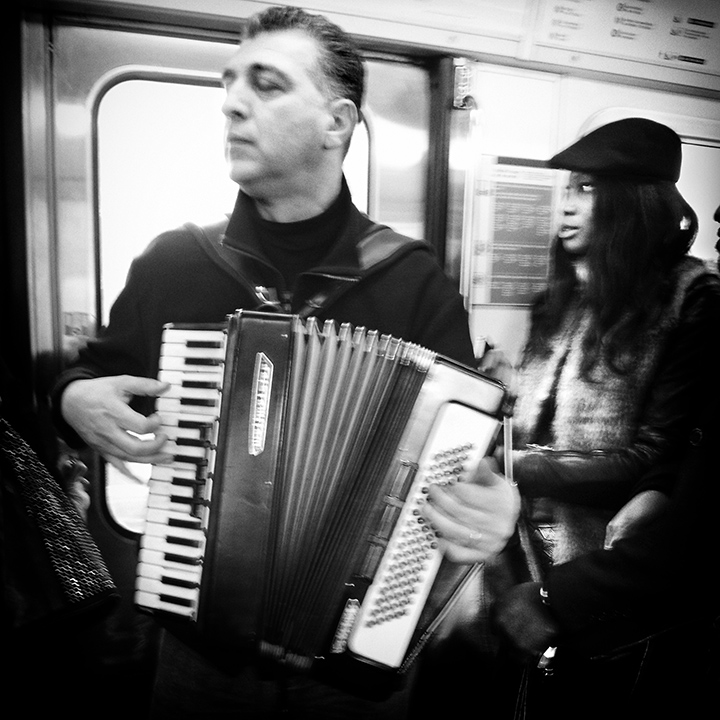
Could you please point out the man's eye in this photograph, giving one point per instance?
(587, 188)
(267, 85)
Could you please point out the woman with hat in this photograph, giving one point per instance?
(617, 363)
(617, 379)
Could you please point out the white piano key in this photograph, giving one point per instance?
(158, 587)
(149, 557)
(167, 473)
(171, 419)
(168, 489)
(167, 502)
(153, 602)
(206, 432)
(191, 394)
(194, 535)
(161, 492)
(198, 434)
(210, 375)
(160, 515)
(206, 353)
(190, 364)
(174, 405)
(190, 574)
(161, 544)
(187, 381)
(183, 493)
(187, 451)
(183, 336)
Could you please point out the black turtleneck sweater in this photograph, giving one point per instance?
(294, 247)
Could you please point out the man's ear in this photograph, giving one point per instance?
(344, 118)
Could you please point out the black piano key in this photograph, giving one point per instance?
(177, 582)
(198, 402)
(213, 344)
(202, 384)
(203, 361)
(173, 557)
(190, 460)
(192, 442)
(189, 523)
(186, 542)
(182, 499)
(187, 482)
(185, 602)
(195, 424)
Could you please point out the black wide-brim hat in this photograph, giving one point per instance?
(634, 147)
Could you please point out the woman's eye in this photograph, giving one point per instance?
(587, 188)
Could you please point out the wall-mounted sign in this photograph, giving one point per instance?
(510, 256)
(683, 35)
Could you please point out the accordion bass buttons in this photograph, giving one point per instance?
(385, 623)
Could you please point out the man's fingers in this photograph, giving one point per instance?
(134, 385)
(131, 448)
(131, 421)
(99, 411)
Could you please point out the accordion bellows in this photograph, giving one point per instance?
(291, 517)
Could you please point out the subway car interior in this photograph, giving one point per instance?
(112, 133)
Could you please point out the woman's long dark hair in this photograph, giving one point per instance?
(640, 231)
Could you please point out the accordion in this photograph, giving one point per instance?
(290, 520)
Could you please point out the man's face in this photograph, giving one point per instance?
(276, 113)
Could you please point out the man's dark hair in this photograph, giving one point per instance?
(340, 60)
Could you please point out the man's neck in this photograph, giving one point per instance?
(302, 203)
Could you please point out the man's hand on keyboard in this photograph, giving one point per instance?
(98, 409)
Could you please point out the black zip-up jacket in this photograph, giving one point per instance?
(395, 286)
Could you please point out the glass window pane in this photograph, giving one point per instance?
(160, 164)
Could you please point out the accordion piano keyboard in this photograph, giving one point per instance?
(173, 545)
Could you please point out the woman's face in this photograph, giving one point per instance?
(577, 210)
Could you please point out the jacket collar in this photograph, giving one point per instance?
(342, 259)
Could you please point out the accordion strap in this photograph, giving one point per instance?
(210, 239)
(379, 246)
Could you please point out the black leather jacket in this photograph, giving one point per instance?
(668, 425)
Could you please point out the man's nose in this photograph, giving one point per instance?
(235, 105)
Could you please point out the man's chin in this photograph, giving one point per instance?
(249, 182)
(242, 174)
